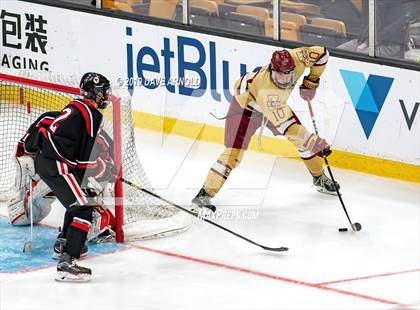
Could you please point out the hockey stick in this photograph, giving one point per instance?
(354, 226)
(236, 114)
(27, 247)
(280, 249)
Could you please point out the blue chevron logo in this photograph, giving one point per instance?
(368, 96)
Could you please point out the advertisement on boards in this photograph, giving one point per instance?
(361, 108)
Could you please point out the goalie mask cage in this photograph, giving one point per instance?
(138, 215)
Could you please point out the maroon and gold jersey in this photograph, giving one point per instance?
(257, 91)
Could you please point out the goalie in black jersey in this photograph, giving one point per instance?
(69, 147)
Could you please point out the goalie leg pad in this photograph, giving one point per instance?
(103, 226)
(221, 169)
(17, 212)
(41, 208)
(18, 208)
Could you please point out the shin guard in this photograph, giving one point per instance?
(78, 230)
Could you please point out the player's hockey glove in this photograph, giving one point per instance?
(308, 88)
(319, 146)
(20, 150)
(105, 170)
(111, 170)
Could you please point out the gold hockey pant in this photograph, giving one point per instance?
(240, 126)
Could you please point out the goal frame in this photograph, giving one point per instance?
(117, 137)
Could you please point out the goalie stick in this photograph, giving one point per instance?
(354, 226)
(279, 249)
(27, 246)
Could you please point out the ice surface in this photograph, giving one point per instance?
(206, 268)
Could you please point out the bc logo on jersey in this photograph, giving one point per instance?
(367, 96)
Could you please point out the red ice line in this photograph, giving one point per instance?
(369, 277)
(257, 273)
(321, 285)
(266, 275)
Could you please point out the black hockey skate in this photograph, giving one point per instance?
(60, 247)
(69, 271)
(325, 185)
(202, 203)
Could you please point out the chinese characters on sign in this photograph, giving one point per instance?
(27, 32)
(36, 33)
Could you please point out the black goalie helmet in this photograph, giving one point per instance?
(96, 87)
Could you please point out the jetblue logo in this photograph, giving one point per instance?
(367, 96)
(177, 57)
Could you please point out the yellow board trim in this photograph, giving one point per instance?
(208, 133)
(278, 147)
(33, 98)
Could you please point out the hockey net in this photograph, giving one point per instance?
(23, 99)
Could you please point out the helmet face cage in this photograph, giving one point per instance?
(282, 68)
(96, 87)
(283, 79)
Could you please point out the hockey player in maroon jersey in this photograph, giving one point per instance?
(261, 100)
(67, 153)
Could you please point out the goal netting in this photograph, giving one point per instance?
(25, 97)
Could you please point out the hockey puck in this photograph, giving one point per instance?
(343, 229)
(357, 226)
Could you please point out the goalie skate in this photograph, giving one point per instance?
(69, 271)
(325, 185)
